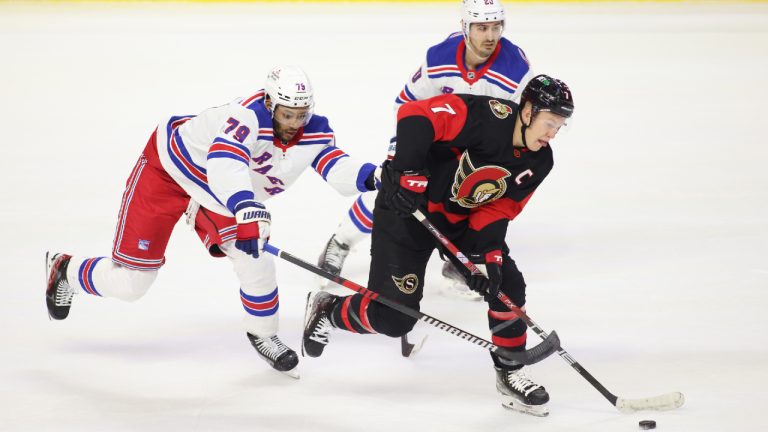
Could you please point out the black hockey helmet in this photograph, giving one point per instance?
(548, 94)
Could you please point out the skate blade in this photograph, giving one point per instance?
(306, 318)
(293, 373)
(47, 272)
(513, 404)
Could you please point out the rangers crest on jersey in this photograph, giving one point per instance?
(475, 187)
(499, 109)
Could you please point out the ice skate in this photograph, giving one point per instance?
(58, 293)
(317, 323)
(277, 354)
(333, 256)
(520, 393)
(455, 284)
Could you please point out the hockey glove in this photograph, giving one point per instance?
(253, 221)
(403, 190)
(490, 262)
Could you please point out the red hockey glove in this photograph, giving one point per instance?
(403, 190)
(253, 221)
(489, 286)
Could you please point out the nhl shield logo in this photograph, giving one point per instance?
(499, 109)
(407, 283)
(475, 187)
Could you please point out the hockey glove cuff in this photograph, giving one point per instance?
(373, 181)
(403, 190)
(253, 221)
(490, 263)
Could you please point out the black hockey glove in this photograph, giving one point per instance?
(488, 287)
(403, 190)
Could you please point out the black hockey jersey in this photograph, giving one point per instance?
(478, 181)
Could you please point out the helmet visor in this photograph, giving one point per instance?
(293, 117)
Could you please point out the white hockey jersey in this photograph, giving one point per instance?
(228, 154)
(504, 75)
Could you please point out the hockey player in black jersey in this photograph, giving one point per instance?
(472, 162)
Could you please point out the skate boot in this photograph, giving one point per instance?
(277, 354)
(520, 393)
(317, 322)
(455, 284)
(332, 258)
(58, 293)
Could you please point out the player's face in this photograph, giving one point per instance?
(485, 36)
(287, 121)
(543, 129)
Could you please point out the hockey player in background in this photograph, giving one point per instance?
(477, 60)
(220, 167)
(471, 163)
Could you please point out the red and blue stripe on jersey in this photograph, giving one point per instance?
(261, 306)
(85, 275)
(253, 99)
(223, 148)
(361, 216)
(505, 69)
(182, 159)
(405, 96)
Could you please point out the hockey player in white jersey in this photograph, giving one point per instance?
(477, 60)
(219, 167)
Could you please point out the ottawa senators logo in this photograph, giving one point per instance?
(407, 283)
(499, 109)
(475, 187)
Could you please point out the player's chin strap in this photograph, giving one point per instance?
(524, 126)
(662, 402)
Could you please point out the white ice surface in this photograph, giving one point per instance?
(646, 248)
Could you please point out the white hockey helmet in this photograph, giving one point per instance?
(289, 86)
(478, 11)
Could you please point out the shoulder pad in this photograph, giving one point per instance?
(444, 53)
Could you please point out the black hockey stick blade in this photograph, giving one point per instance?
(546, 348)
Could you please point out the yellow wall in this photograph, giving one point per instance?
(384, 1)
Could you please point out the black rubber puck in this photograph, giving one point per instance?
(647, 424)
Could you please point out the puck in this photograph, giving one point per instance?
(647, 424)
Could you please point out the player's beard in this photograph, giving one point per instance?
(285, 133)
(485, 50)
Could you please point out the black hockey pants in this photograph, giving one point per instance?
(400, 250)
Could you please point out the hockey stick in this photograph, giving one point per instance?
(534, 355)
(665, 401)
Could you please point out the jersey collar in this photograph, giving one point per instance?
(284, 147)
(475, 74)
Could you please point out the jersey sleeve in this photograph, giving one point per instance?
(229, 157)
(343, 173)
(421, 123)
(418, 87)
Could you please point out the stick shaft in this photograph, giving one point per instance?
(442, 325)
